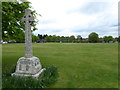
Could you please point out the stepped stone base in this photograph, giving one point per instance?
(28, 67)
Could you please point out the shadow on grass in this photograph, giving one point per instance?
(47, 78)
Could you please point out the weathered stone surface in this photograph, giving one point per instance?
(28, 19)
(28, 67)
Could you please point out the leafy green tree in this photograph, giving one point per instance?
(51, 39)
(12, 13)
(108, 38)
(34, 38)
(105, 38)
(67, 39)
(54, 38)
(58, 38)
(79, 38)
(47, 38)
(93, 37)
(72, 38)
(116, 39)
(20, 37)
(62, 38)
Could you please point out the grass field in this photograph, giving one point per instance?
(79, 65)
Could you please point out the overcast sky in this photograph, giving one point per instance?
(77, 17)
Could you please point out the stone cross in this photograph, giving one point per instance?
(28, 19)
(28, 65)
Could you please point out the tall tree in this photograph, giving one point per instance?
(12, 12)
(105, 38)
(79, 38)
(93, 37)
(72, 38)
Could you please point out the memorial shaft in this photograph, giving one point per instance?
(27, 20)
(28, 39)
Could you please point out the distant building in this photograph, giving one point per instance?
(116, 42)
(41, 41)
(110, 41)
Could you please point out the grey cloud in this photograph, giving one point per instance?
(91, 8)
(94, 7)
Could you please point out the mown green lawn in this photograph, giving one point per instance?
(80, 65)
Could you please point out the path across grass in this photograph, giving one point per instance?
(80, 65)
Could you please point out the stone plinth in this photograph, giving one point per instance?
(28, 67)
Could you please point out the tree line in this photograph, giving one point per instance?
(92, 38)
